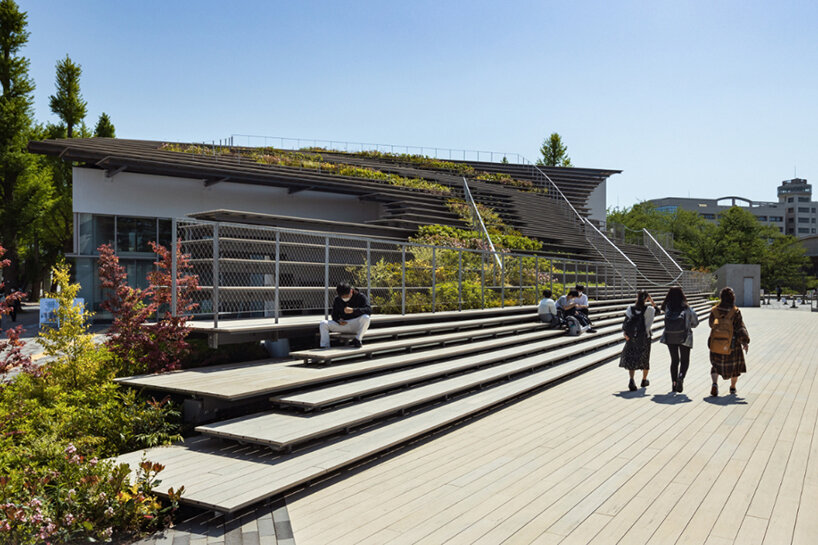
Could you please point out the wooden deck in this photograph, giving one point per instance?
(588, 462)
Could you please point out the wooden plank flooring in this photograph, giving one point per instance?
(588, 462)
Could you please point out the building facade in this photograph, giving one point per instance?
(795, 213)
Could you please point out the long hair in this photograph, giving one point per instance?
(728, 298)
(675, 300)
(641, 297)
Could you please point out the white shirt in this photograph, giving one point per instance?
(547, 306)
(582, 300)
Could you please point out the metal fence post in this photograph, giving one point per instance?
(460, 280)
(551, 275)
(520, 263)
(482, 280)
(174, 242)
(403, 279)
(368, 271)
(564, 266)
(503, 280)
(278, 258)
(536, 278)
(215, 299)
(434, 275)
(326, 278)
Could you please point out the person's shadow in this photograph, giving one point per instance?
(671, 398)
(724, 401)
(627, 394)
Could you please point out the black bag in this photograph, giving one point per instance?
(675, 331)
(635, 325)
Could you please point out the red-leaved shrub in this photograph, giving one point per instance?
(145, 336)
(11, 354)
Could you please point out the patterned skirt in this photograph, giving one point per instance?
(636, 354)
(729, 365)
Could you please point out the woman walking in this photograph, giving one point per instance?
(636, 328)
(728, 336)
(678, 334)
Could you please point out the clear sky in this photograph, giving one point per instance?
(688, 98)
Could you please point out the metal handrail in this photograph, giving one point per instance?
(429, 151)
(667, 255)
(476, 212)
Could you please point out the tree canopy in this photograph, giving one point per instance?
(67, 102)
(737, 238)
(105, 128)
(554, 152)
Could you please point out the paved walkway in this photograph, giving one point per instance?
(589, 462)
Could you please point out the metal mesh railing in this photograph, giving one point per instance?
(250, 271)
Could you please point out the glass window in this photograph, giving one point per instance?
(789, 199)
(762, 218)
(134, 234)
(164, 232)
(86, 231)
(803, 220)
(803, 230)
(776, 218)
(803, 199)
(103, 232)
(709, 216)
(803, 209)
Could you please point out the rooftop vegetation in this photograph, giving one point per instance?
(314, 161)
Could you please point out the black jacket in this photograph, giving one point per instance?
(358, 302)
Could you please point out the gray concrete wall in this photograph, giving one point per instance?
(745, 281)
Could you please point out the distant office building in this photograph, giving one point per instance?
(795, 213)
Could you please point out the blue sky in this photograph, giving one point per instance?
(696, 98)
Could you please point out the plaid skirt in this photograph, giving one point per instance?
(729, 365)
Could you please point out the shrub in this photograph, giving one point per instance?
(139, 344)
(56, 425)
(11, 354)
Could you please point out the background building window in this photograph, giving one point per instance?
(134, 234)
(803, 230)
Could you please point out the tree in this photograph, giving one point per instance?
(15, 123)
(554, 152)
(67, 103)
(104, 128)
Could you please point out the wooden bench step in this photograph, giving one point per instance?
(227, 478)
(279, 430)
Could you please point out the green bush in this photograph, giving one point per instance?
(58, 422)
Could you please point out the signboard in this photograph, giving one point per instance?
(48, 311)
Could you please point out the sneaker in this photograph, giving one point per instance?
(632, 386)
(645, 383)
(714, 390)
(592, 330)
(357, 343)
(680, 386)
(732, 390)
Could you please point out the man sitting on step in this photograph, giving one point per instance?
(581, 305)
(350, 314)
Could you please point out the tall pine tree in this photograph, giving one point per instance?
(554, 152)
(67, 103)
(15, 124)
(105, 128)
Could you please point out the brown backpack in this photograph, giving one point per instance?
(721, 334)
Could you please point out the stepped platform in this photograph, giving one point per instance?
(445, 384)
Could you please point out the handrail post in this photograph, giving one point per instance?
(520, 263)
(434, 275)
(482, 280)
(174, 242)
(277, 277)
(503, 280)
(326, 278)
(216, 282)
(536, 278)
(460, 279)
(403, 279)
(368, 271)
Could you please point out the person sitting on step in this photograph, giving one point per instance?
(547, 311)
(581, 304)
(567, 306)
(350, 314)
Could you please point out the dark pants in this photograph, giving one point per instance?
(678, 354)
(583, 317)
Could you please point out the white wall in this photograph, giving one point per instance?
(129, 194)
(597, 203)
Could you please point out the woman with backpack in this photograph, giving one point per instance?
(728, 337)
(636, 328)
(678, 334)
